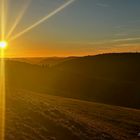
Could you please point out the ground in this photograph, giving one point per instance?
(37, 116)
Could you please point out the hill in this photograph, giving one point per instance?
(49, 61)
(108, 78)
(35, 116)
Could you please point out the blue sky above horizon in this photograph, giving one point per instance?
(84, 27)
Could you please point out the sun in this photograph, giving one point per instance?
(3, 44)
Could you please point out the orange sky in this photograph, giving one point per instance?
(20, 49)
(81, 28)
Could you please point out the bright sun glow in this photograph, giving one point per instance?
(3, 44)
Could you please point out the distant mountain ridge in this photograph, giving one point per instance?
(42, 60)
(107, 78)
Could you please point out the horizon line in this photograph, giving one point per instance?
(72, 55)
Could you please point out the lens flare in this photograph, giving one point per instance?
(2, 19)
(42, 20)
(2, 96)
(18, 19)
(4, 44)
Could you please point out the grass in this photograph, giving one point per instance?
(35, 116)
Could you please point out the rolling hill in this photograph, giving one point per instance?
(107, 78)
(36, 116)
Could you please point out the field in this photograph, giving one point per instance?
(37, 116)
(76, 98)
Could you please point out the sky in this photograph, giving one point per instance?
(85, 27)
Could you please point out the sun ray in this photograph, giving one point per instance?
(2, 19)
(42, 20)
(2, 95)
(2, 69)
(18, 19)
(3, 44)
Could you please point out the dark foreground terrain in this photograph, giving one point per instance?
(109, 78)
(64, 98)
(35, 116)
